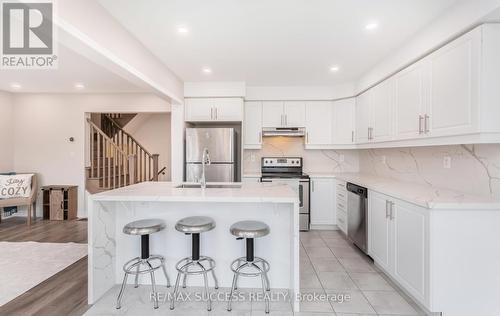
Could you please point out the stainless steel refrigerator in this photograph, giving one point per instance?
(222, 148)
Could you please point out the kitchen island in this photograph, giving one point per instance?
(277, 205)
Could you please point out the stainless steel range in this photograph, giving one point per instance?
(289, 170)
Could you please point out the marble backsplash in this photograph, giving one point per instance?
(474, 169)
(315, 161)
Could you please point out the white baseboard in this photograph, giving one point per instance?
(324, 227)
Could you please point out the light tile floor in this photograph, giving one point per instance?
(330, 265)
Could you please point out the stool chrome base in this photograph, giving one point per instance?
(133, 267)
(244, 268)
(188, 266)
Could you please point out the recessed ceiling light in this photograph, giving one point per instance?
(79, 86)
(334, 68)
(15, 85)
(371, 26)
(182, 30)
(207, 70)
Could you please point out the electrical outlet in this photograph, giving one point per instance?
(447, 162)
(341, 158)
(383, 159)
(252, 157)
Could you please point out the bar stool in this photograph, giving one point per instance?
(148, 262)
(196, 264)
(250, 266)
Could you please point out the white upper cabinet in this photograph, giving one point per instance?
(213, 109)
(374, 114)
(252, 125)
(362, 117)
(381, 105)
(272, 114)
(409, 101)
(294, 113)
(319, 123)
(454, 86)
(344, 121)
(228, 109)
(283, 114)
(198, 110)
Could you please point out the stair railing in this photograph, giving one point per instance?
(146, 164)
(109, 163)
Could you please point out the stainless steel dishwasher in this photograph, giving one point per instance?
(357, 211)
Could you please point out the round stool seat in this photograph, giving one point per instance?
(249, 229)
(195, 224)
(144, 227)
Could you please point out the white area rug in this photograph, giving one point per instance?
(23, 265)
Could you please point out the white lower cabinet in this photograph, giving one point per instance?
(323, 215)
(399, 242)
(410, 248)
(379, 222)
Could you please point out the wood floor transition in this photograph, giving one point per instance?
(65, 293)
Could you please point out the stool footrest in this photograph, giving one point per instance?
(183, 265)
(155, 261)
(250, 268)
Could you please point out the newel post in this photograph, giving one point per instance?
(155, 166)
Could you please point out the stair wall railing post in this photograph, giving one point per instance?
(155, 166)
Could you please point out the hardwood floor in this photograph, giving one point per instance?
(65, 293)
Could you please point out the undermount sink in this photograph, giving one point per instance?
(210, 186)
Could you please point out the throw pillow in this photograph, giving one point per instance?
(15, 186)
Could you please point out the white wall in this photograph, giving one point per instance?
(6, 132)
(463, 16)
(45, 122)
(153, 131)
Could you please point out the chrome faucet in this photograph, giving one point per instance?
(205, 160)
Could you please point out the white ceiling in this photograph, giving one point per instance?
(73, 68)
(278, 42)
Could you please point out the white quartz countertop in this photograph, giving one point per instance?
(321, 174)
(423, 195)
(167, 191)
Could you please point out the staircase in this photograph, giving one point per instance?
(116, 158)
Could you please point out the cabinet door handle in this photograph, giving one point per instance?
(391, 204)
(211, 113)
(352, 136)
(307, 137)
(420, 119)
(286, 120)
(281, 120)
(426, 123)
(312, 186)
(387, 209)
